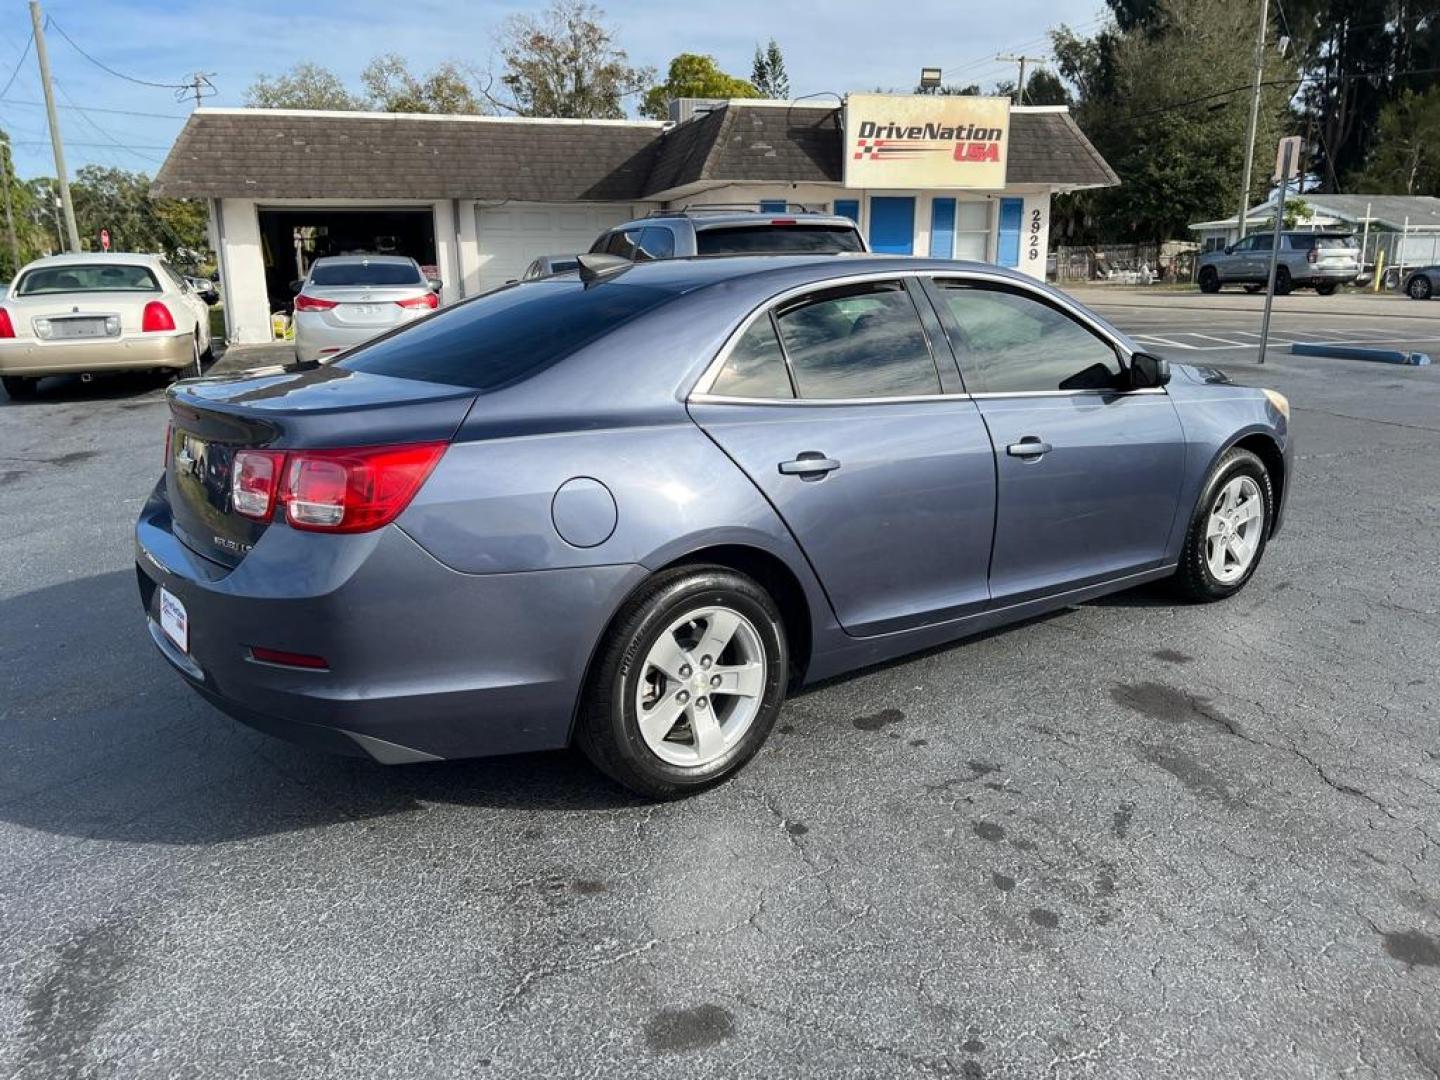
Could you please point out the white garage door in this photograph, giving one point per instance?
(514, 234)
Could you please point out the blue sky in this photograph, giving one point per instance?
(836, 45)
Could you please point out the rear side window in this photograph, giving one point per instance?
(362, 273)
(86, 277)
(504, 336)
(755, 367)
(861, 341)
(1012, 343)
(770, 239)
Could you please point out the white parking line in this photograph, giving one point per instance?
(1275, 339)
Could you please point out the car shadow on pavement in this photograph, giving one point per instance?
(100, 739)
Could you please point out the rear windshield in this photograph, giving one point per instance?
(770, 239)
(87, 277)
(506, 335)
(362, 273)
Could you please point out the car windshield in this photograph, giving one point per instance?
(365, 273)
(87, 277)
(506, 335)
(771, 239)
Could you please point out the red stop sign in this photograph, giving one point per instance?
(104, 239)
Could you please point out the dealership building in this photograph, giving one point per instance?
(476, 198)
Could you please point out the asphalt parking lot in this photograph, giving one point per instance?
(1134, 839)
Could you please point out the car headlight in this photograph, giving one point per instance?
(1280, 401)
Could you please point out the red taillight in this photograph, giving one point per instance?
(156, 319)
(311, 303)
(288, 659)
(354, 490)
(7, 328)
(429, 300)
(1314, 256)
(255, 481)
(783, 221)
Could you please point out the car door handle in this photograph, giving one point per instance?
(810, 465)
(1029, 447)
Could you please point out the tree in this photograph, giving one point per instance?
(694, 76)
(950, 90)
(1406, 155)
(767, 73)
(1045, 88)
(1179, 159)
(565, 63)
(304, 86)
(120, 201)
(392, 88)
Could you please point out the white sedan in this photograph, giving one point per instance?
(86, 314)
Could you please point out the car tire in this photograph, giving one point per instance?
(18, 387)
(1283, 284)
(665, 624)
(1253, 289)
(1209, 280)
(1209, 569)
(196, 363)
(1418, 288)
(1327, 289)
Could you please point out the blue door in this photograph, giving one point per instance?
(1088, 474)
(773, 206)
(892, 224)
(890, 487)
(848, 208)
(1012, 215)
(942, 228)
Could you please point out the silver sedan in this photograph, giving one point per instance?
(347, 299)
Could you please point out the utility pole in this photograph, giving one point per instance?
(1254, 116)
(1022, 60)
(5, 170)
(38, 21)
(199, 87)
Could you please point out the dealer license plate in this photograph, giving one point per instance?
(173, 620)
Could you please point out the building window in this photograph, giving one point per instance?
(773, 206)
(972, 230)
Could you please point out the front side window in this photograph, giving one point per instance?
(755, 367)
(858, 341)
(87, 277)
(623, 243)
(1009, 342)
(656, 242)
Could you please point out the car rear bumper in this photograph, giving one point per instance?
(315, 339)
(1339, 275)
(33, 358)
(423, 662)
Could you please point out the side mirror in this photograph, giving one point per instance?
(1229, 249)
(297, 285)
(1148, 371)
(435, 284)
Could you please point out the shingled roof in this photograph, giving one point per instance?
(285, 154)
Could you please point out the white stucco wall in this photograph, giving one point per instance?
(243, 271)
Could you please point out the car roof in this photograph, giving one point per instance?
(702, 219)
(90, 258)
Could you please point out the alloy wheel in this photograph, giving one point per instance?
(1234, 529)
(1419, 288)
(701, 686)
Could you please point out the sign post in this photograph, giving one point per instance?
(1287, 168)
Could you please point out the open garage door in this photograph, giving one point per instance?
(514, 234)
(294, 237)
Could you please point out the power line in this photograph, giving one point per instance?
(105, 67)
(73, 142)
(97, 109)
(18, 64)
(99, 130)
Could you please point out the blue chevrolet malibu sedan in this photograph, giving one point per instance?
(628, 508)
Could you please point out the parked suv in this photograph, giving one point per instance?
(675, 234)
(1315, 260)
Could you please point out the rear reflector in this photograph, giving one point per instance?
(311, 303)
(429, 300)
(288, 659)
(156, 318)
(7, 328)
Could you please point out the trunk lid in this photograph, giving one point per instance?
(213, 419)
(367, 306)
